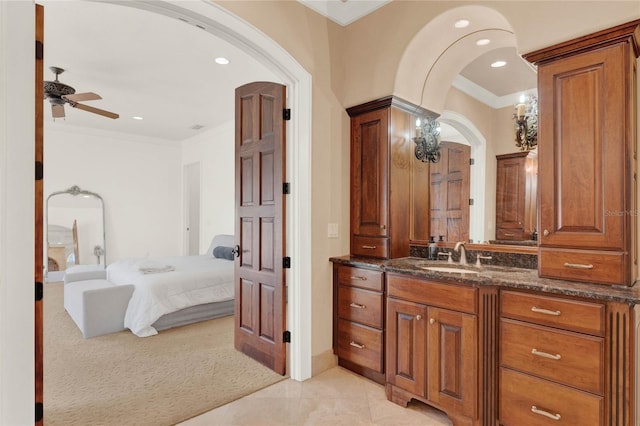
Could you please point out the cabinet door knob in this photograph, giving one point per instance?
(432, 321)
(545, 232)
(418, 317)
(383, 226)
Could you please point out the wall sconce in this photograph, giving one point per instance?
(427, 140)
(526, 123)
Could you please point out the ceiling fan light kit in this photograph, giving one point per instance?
(59, 94)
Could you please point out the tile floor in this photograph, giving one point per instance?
(335, 397)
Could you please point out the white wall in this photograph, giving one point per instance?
(138, 180)
(16, 213)
(215, 152)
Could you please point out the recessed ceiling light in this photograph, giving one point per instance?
(498, 64)
(222, 61)
(137, 118)
(461, 23)
(483, 42)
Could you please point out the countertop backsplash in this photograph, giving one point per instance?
(498, 258)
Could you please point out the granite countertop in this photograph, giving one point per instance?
(501, 276)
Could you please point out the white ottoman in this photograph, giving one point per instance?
(97, 306)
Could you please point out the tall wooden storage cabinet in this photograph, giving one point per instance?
(588, 157)
(516, 187)
(381, 152)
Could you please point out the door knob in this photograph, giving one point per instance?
(236, 251)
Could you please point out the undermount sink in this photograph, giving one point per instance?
(449, 269)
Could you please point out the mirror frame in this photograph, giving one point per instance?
(75, 190)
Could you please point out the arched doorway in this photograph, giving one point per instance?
(220, 23)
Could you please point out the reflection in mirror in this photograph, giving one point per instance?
(74, 232)
(478, 117)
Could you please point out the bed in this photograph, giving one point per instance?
(174, 291)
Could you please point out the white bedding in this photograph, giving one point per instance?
(170, 284)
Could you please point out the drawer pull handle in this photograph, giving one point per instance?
(545, 355)
(509, 234)
(536, 410)
(358, 306)
(358, 277)
(370, 247)
(356, 345)
(578, 266)
(544, 311)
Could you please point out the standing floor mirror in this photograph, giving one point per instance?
(74, 232)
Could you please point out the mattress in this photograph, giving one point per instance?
(169, 284)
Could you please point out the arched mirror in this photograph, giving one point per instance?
(74, 232)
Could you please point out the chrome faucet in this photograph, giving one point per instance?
(463, 252)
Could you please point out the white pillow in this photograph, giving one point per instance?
(224, 240)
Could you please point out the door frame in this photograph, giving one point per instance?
(222, 23)
(188, 181)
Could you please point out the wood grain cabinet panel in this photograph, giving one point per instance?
(432, 352)
(381, 157)
(527, 400)
(569, 358)
(358, 320)
(587, 152)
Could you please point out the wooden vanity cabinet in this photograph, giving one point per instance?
(516, 189)
(587, 91)
(359, 320)
(565, 361)
(432, 345)
(381, 154)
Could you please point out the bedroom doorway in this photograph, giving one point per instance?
(191, 191)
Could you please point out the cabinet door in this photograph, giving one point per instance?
(583, 161)
(452, 371)
(510, 198)
(369, 173)
(406, 345)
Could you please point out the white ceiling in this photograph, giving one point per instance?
(163, 69)
(344, 12)
(143, 64)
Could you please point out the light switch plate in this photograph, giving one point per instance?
(333, 230)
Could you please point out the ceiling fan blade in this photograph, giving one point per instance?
(57, 111)
(94, 110)
(79, 97)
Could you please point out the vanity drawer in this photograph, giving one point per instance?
(363, 278)
(509, 234)
(363, 306)
(572, 315)
(370, 246)
(360, 344)
(527, 400)
(427, 292)
(569, 358)
(600, 267)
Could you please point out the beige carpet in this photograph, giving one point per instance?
(120, 379)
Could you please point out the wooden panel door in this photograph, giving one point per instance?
(369, 174)
(583, 160)
(39, 219)
(453, 358)
(449, 180)
(260, 223)
(406, 341)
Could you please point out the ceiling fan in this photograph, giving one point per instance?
(59, 94)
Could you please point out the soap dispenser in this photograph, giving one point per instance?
(433, 249)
